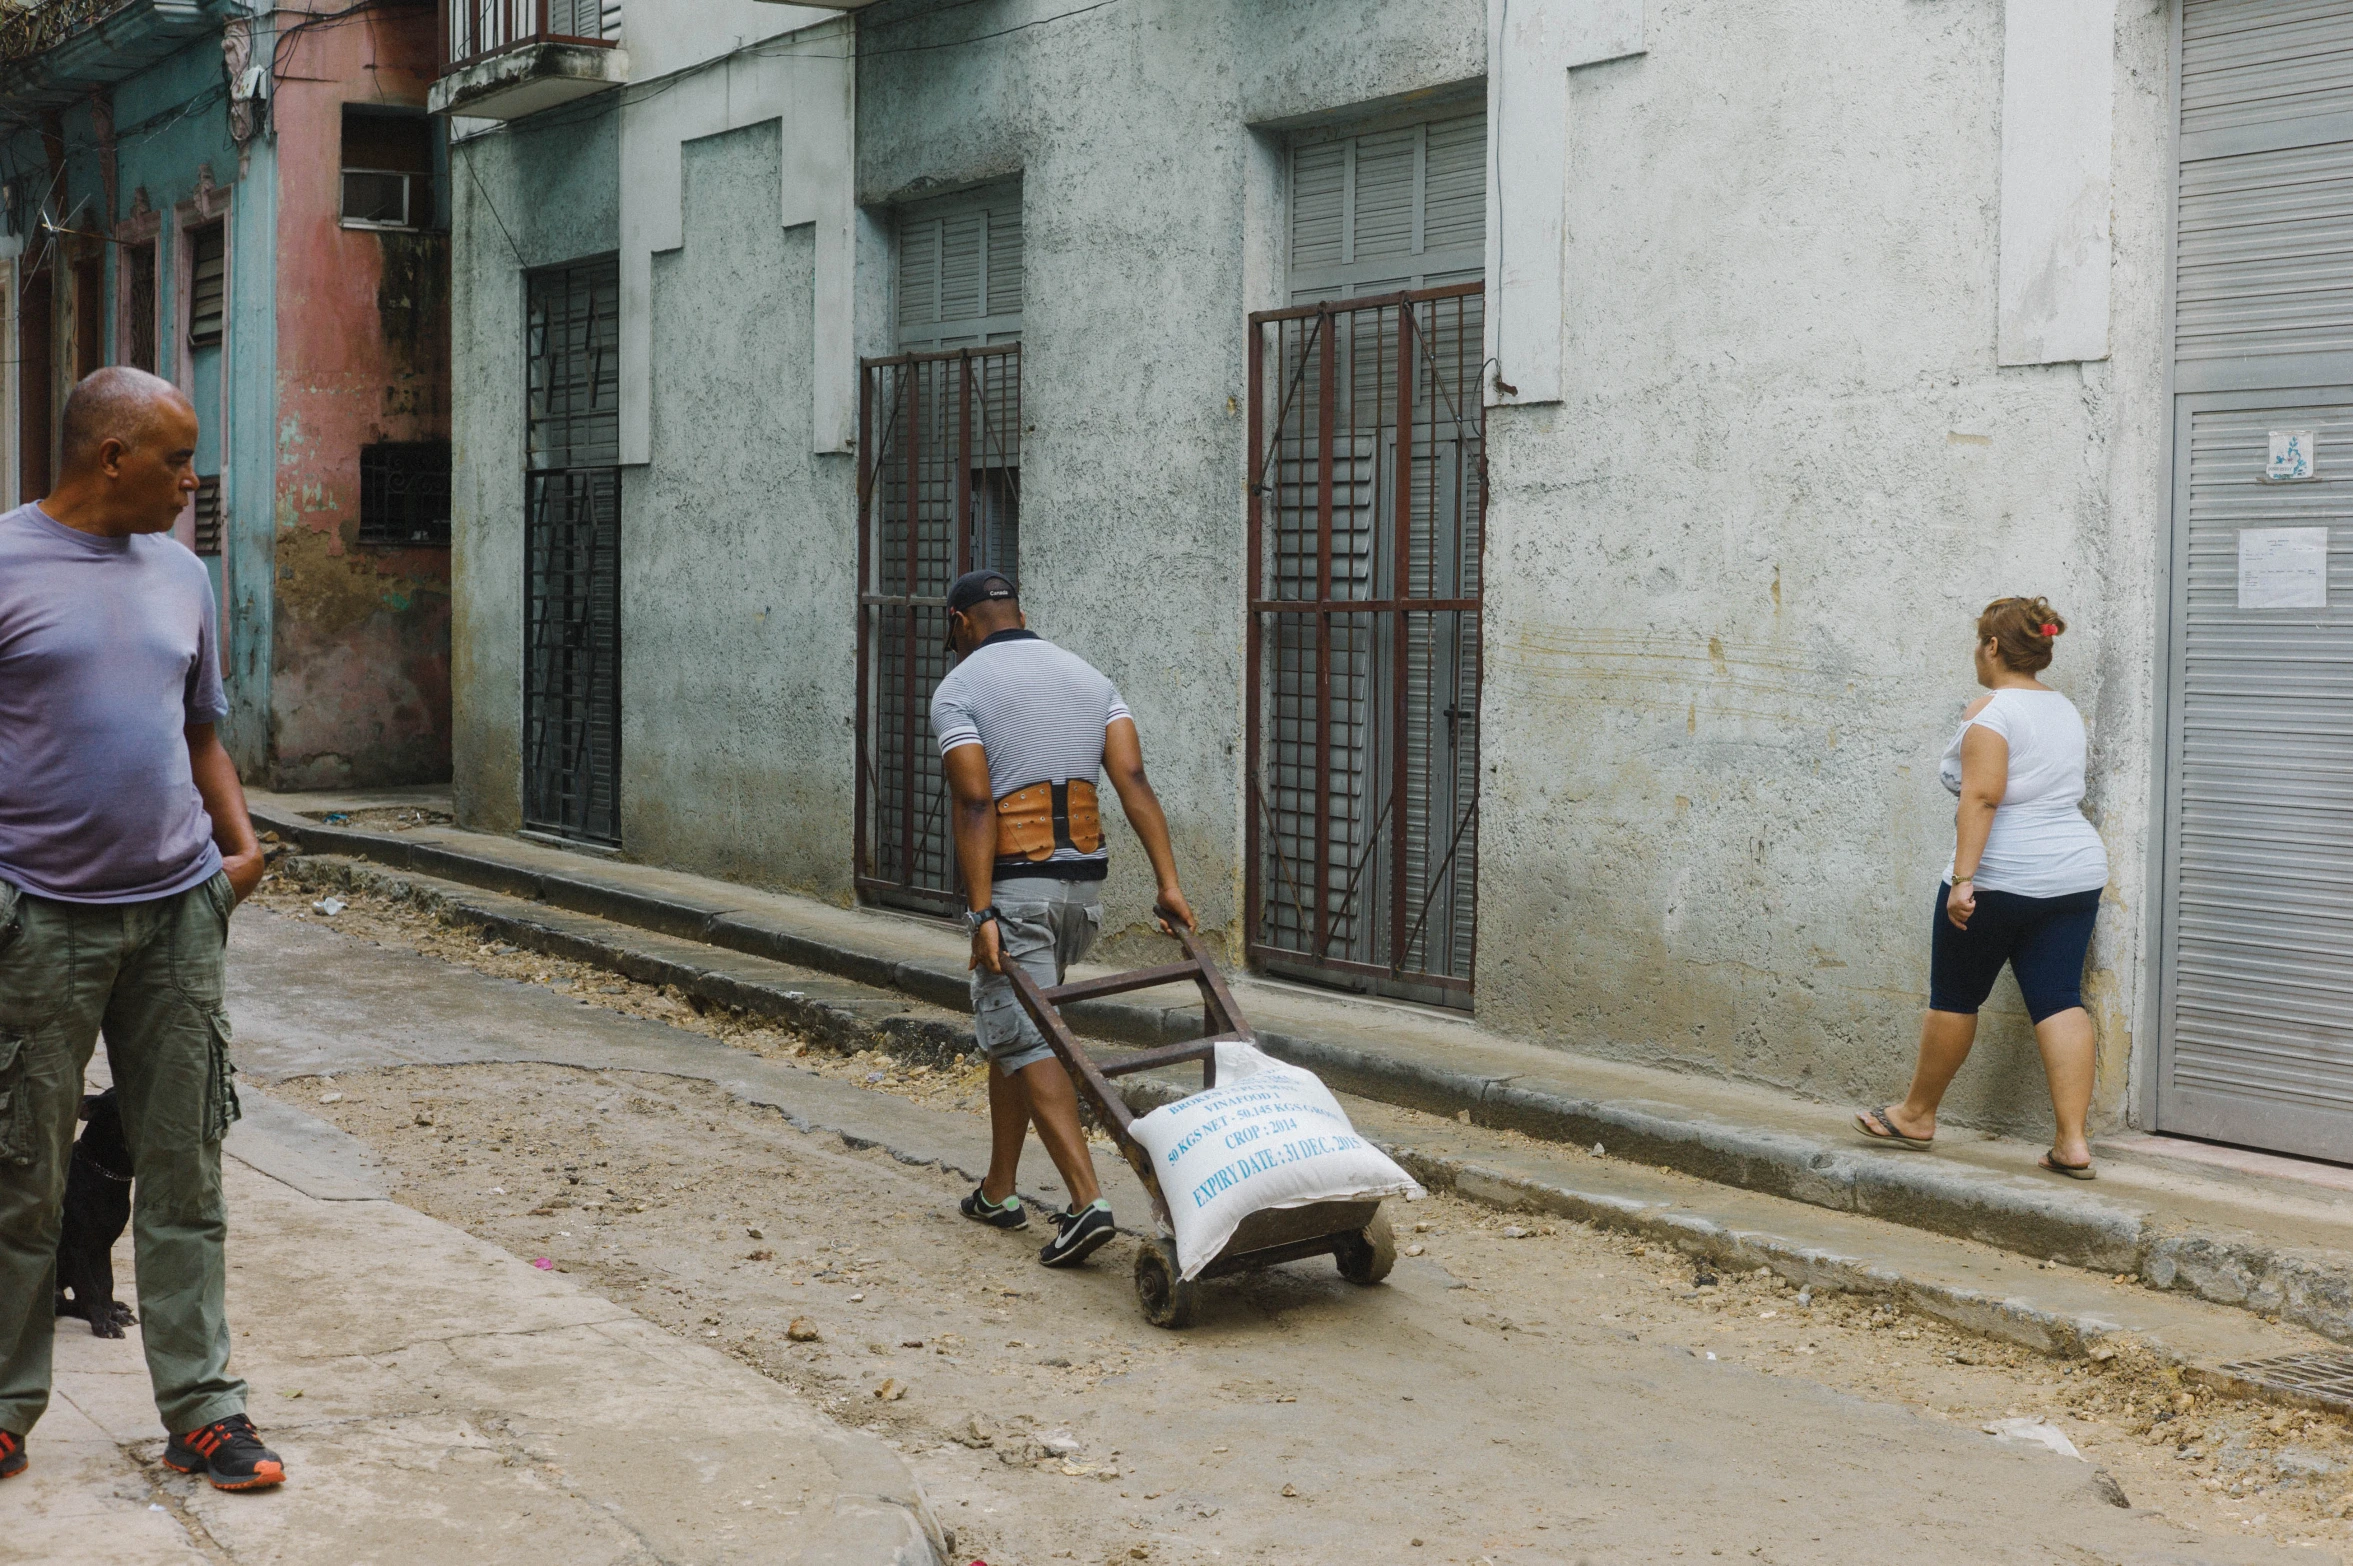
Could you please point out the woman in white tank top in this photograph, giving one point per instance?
(2022, 886)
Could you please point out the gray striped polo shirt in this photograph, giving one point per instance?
(1036, 711)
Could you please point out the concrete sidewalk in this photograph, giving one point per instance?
(437, 1399)
(2268, 1234)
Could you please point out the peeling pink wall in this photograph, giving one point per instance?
(360, 660)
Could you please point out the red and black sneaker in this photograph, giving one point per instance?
(229, 1453)
(12, 1455)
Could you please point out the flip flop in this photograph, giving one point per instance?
(1876, 1127)
(2082, 1171)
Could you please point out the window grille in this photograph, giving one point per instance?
(939, 493)
(208, 513)
(572, 554)
(1367, 519)
(208, 295)
(387, 169)
(139, 307)
(404, 493)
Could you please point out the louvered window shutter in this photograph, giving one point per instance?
(1319, 204)
(1383, 218)
(962, 246)
(1004, 256)
(1384, 210)
(208, 286)
(960, 271)
(919, 278)
(1454, 202)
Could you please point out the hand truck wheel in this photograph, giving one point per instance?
(1367, 1255)
(1161, 1287)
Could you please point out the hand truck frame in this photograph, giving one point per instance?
(1355, 1234)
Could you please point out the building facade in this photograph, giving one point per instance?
(253, 204)
(1532, 469)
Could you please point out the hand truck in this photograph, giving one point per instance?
(1355, 1234)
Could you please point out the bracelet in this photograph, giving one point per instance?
(1964, 880)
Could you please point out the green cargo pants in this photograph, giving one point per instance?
(149, 974)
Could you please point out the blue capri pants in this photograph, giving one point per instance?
(2043, 939)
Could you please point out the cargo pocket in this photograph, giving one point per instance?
(16, 1115)
(1079, 935)
(220, 1093)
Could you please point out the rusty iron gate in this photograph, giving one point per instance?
(1367, 513)
(939, 493)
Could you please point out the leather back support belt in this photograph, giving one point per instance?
(1032, 822)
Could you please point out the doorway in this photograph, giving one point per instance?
(572, 554)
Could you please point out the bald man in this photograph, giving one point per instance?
(124, 844)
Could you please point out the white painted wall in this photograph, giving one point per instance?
(1532, 45)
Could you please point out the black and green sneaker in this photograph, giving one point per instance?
(12, 1454)
(1078, 1235)
(1009, 1214)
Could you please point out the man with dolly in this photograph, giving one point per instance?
(1024, 728)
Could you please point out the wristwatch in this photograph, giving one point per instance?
(975, 918)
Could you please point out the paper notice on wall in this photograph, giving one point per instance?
(2283, 568)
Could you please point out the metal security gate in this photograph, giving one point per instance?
(2258, 961)
(1367, 513)
(572, 556)
(939, 493)
(2255, 1039)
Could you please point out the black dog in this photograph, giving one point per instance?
(97, 1206)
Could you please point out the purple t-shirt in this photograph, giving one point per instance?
(108, 650)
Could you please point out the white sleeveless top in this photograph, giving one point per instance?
(2041, 845)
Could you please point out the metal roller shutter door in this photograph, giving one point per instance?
(2260, 961)
(2256, 960)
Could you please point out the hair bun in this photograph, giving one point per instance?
(2022, 630)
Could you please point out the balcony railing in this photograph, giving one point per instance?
(474, 30)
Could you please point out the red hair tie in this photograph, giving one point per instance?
(2050, 630)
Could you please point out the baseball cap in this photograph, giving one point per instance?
(977, 587)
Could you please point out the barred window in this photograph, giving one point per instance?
(404, 493)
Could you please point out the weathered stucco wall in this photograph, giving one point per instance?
(1145, 209)
(538, 193)
(739, 554)
(1732, 578)
(360, 643)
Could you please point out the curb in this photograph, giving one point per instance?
(2310, 1288)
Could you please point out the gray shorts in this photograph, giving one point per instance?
(1045, 926)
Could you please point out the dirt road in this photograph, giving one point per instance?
(1520, 1391)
